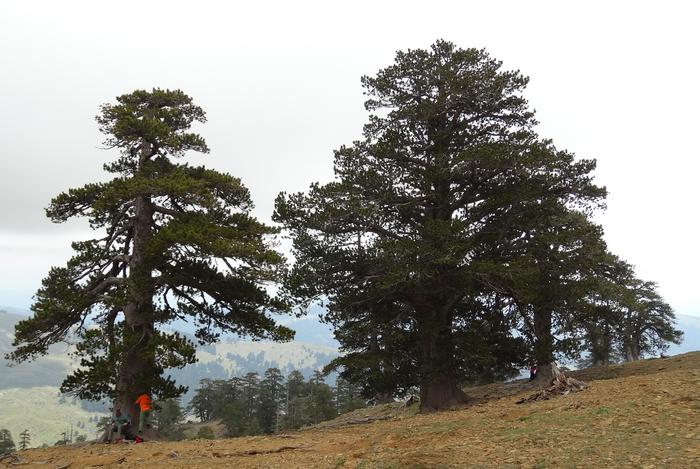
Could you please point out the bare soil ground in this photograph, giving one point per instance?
(642, 415)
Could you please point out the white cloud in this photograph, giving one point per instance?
(280, 83)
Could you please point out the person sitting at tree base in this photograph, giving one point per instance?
(121, 424)
(144, 403)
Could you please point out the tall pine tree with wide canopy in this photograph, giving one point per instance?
(448, 168)
(622, 317)
(551, 268)
(179, 243)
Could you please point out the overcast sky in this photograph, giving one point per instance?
(280, 82)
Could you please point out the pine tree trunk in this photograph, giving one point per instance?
(601, 345)
(135, 373)
(632, 352)
(544, 344)
(439, 388)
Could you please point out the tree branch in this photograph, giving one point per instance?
(166, 210)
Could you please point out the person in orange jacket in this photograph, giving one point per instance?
(144, 403)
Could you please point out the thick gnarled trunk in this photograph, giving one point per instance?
(632, 352)
(138, 362)
(544, 344)
(439, 388)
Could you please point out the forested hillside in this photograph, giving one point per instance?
(30, 397)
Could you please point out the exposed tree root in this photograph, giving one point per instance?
(560, 385)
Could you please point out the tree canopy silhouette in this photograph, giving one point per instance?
(178, 243)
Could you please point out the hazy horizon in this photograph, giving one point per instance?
(280, 83)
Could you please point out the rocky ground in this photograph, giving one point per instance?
(643, 415)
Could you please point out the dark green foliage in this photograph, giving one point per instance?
(25, 440)
(160, 117)
(307, 402)
(271, 394)
(235, 418)
(648, 322)
(168, 418)
(455, 245)
(206, 433)
(370, 342)
(251, 406)
(348, 396)
(202, 404)
(295, 402)
(487, 350)
(250, 394)
(7, 445)
(438, 192)
(321, 399)
(179, 243)
(551, 267)
(623, 317)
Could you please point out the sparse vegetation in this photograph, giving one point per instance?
(25, 440)
(206, 433)
(6, 443)
(644, 413)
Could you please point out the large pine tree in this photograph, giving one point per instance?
(551, 269)
(178, 243)
(449, 169)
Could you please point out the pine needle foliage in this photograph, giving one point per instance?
(177, 242)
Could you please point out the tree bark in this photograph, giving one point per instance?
(632, 351)
(601, 345)
(439, 388)
(137, 364)
(544, 344)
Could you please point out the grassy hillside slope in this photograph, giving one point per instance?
(43, 412)
(646, 414)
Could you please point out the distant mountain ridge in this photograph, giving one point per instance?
(690, 325)
(31, 389)
(230, 357)
(221, 360)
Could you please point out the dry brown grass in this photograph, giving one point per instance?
(645, 414)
